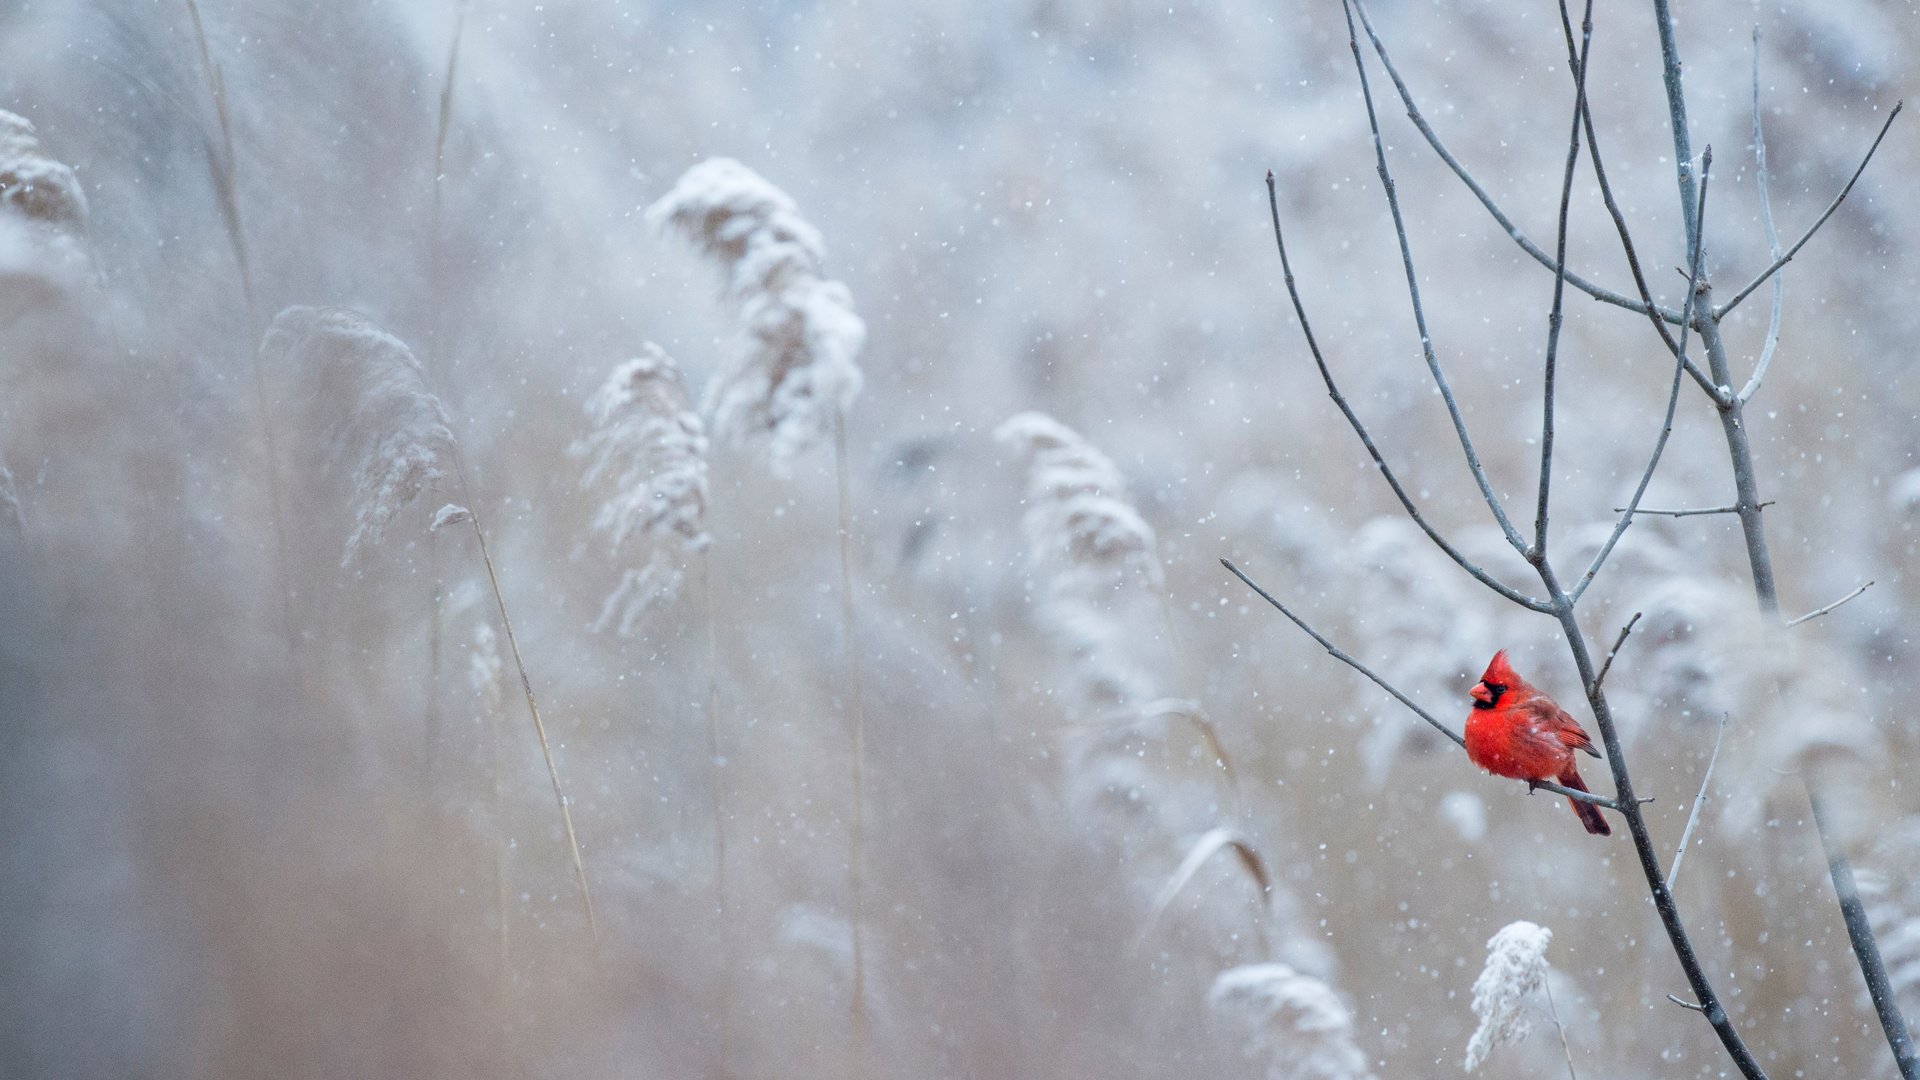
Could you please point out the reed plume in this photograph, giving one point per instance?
(1295, 1025)
(43, 217)
(1515, 970)
(650, 449)
(795, 371)
(1089, 552)
(384, 430)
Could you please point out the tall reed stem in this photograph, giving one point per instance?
(857, 710)
(723, 984)
(533, 709)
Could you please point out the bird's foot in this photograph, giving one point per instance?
(1533, 786)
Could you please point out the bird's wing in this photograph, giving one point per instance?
(1570, 732)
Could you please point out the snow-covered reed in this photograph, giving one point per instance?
(43, 214)
(1088, 550)
(382, 429)
(649, 448)
(1295, 1025)
(1516, 970)
(796, 369)
(10, 513)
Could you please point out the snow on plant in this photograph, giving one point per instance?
(1294, 1023)
(486, 671)
(43, 211)
(10, 500)
(796, 371)
(1088, 550)
(651, 448)
(1516, 969)
(382, 428)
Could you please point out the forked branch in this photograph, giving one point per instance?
(1761, 278)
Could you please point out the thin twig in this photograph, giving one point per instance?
(1556, 313)
(1721, 311)
(1772, 341)
(1686, 1004)
(1607, 665)
(1700, 512)
(1817, 612)
(1413, 294)
(1513, 231)
(1693, 817)
(1360, 429)
(1697, 249)
(1338, 654)
(1554, 1011)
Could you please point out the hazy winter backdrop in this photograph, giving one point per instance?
(266, 813)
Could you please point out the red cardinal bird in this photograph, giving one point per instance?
(1516, 731)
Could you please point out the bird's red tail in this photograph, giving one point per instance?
(1589, 813)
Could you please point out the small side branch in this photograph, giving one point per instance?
(1772, 341)
(1700, 512)
(1693, 817)
(1607, 664)
(1338, 654)
(1721, 311)
(1817, 612)
(1360, 429)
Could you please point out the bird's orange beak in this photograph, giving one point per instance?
(1481, 693)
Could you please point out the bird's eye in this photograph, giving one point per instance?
(1496, 689)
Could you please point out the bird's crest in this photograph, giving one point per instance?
(1499, 672)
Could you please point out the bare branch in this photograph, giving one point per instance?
(1394, 691)
(1413, 293)
(1335, 651)
(1513, 231)
(1360, 429)
(1686, 1004)
(1673, 393)
(1860, 934)
(1773, 237)
(1693, 817)
(1607, 664)
(1817, 612)
(1721, 311)
(1699, 512)
(1555, 314)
